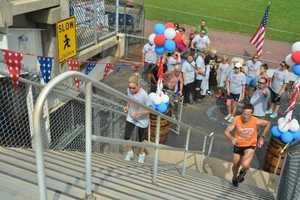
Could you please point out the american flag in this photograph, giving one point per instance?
(258, 38)
(89, 67)
(74, 65)
(45, 68)
(13, 61)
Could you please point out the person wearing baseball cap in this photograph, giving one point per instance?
(235, 87)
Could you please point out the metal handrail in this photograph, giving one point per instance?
(111, 91)
(89, 83)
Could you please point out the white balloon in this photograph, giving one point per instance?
(294, 125)
(296, 47)
(151, 38)
(284, 127)
(165, 99)
(281, 120)
(152, 95)
(170, 33)
(157, 100)
(289, 61)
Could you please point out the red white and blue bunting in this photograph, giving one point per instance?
(13, 62)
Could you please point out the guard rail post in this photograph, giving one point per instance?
(88, 139)
(157, 137)
(187, 141)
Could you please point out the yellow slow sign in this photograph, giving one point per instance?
(66, 38)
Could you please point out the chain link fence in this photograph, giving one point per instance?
(289, 187)
(63, 117)
(96, 19)
(93, 20)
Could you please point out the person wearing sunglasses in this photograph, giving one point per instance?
(260, 98)
(137, 117)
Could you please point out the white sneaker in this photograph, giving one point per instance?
(268, 112)
(129, 156)
(273, 115)
(230, 120)
(142, 158)
(227, 117)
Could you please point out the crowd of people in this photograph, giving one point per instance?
(194, 71)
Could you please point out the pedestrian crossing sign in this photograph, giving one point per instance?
(66, 38)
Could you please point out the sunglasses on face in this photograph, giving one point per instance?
(261, 82)
(132, 88)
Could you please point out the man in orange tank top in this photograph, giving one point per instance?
(245, 141)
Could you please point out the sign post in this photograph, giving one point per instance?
(66, 38)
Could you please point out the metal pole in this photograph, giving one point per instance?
(88, 139)
(155, 167)
(211, 142)
(95, 22)
(37, 137)
(180, 115)
(110, 128)
(187, 141)
(204, 145)
(117, 16)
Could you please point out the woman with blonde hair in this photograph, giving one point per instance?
(137, 116)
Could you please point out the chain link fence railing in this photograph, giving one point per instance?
(96, 19)
(93, 20)
(63, 117)
(289, 187)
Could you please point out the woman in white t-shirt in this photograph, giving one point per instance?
(136, 116)
(222, 73)
(278, 85)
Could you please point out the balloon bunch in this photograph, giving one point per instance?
(160, 102)
(288, 129)
(165, 38)
(293, 59)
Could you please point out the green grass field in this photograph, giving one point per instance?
(231, 15)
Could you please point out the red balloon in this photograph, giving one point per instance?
(177, 38)
(296, 57)
(159, 40)
(169, 25)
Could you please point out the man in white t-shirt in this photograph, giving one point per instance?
(149, 58)
(260, 97)
(278, 86)
(200, 42)
(200, 74)
(253, 69)
(188, 71)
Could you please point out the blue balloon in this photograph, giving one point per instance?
(287, 137)
(159, 50)
(167, 104)
(159, 28)
(296, 69)
(162, 108)
(276, 132)
(170, 46)
(296, 135)
(253, 82)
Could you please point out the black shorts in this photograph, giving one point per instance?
(275, 98)
(234, 97)
(129, 128)
(241, 150)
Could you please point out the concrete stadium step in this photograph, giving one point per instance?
(112, 179)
